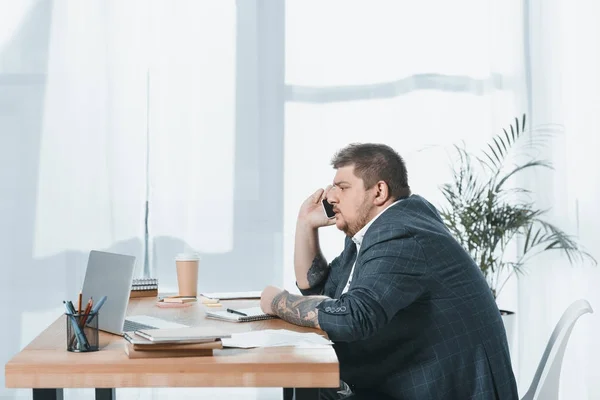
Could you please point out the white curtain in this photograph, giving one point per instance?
(565, 59)
(107, 107)
(191, 131)
(91, 185)
(192, 122)
(140, 105)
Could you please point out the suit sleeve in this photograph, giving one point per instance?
(391, 277)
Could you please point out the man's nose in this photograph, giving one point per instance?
(331, 198)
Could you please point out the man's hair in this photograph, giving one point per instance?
(373, 163)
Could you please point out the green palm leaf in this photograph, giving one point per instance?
(486, 216)
(530, 164)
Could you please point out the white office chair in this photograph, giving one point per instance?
(545, 383)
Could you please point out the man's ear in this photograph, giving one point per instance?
(382, 193)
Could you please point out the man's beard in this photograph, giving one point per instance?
(362, 218)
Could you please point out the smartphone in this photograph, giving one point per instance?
(328, 208)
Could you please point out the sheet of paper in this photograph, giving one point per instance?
(157, 323)
(275, 338)
(233, 295)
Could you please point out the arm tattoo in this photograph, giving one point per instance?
(298, 310)
(318, 271)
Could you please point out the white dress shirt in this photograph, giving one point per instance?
(358, 238)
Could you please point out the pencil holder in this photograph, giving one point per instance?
(82, 332)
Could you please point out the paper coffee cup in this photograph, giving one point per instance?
(187, 273)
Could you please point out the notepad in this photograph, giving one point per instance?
(144, 284)
(181, 335)
(252, 314)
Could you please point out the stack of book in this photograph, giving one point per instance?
(144, 287)
(177, 342)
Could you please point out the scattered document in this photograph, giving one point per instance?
(233, 295)
(275, 338)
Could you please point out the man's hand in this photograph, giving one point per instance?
(266, 299)
(311, 212)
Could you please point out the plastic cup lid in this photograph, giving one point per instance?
(187, 257)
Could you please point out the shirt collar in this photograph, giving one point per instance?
(358, 237)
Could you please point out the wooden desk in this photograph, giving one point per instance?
(47, 367)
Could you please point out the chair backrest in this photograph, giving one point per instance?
(546, 380)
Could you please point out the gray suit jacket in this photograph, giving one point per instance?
(419, 320)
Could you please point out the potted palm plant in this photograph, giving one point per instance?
(489, 214)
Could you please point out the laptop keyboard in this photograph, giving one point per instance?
(129, 326)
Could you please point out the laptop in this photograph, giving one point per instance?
(111, 275)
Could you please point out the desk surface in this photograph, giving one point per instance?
(45, 362)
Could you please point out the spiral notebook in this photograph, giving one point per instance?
(144, 284)
(252, 314)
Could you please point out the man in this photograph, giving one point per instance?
(410, 314)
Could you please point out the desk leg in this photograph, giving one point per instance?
(300, 394)
(105, 394)
(47, 394)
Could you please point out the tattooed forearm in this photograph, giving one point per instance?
(298, 310)
(318, 271)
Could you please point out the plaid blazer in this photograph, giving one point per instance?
(419, 320)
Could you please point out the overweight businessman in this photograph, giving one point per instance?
(410, 314)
